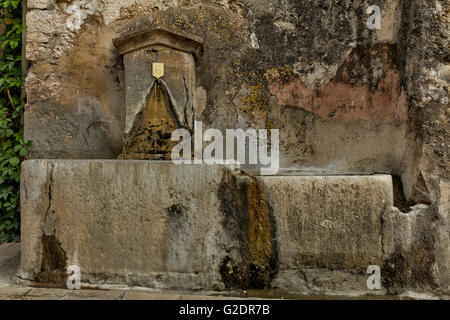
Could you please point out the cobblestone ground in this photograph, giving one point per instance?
(14, 292)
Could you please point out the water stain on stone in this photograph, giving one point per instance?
(247, 218)
(54, 261)
(152, 139)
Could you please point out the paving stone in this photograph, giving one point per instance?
(94, 295)
(203, 297)
(13, 292)
(8, 251)
(41, 298)
(142, 295)
(46, 292)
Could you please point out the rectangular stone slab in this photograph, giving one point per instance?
(153, 222)
(329, 229)
(329, 221)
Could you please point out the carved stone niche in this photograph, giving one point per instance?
(160, 77)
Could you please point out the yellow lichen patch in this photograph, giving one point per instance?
(254, 104)
(269, 124)
(260, 237)
(283, 73)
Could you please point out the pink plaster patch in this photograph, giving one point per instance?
(339, 100)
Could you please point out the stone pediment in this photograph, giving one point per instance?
(159, 36)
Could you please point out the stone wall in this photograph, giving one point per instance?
(347, 100)
(311, 69)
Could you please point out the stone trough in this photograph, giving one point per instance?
(160, 225)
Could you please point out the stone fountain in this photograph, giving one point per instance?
(141, 220)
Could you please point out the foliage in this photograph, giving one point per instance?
(13, 147)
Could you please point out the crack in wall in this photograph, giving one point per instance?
(49, 193)
(53, 256)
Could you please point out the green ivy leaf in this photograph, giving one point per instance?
(12, 146)
(14, 161)
(13, 44)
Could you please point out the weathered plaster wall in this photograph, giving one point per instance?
(311, 69)
(346, 99)
(426, 74)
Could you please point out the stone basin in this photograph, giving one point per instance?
(199, 227)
